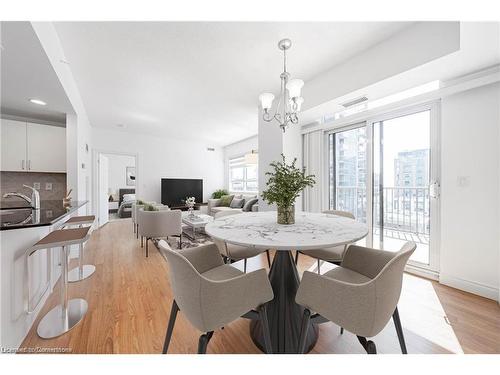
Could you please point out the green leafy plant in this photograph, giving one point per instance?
(219, 193)
(286, 183)
(150, 207)
(140, 202)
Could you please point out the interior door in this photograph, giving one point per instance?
(103, 190)
(404, 179)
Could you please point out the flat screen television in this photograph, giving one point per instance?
(174, 191)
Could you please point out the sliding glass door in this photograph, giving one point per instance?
(385, 172)
(347, 171)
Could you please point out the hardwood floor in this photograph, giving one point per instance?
(129, 304)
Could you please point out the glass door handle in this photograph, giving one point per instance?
(434, 189)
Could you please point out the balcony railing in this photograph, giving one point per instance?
(405, 209)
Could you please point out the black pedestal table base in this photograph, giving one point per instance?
(284, 315)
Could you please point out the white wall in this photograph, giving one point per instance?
(235, 150)
(164, 158)
(78, 129)
(470, 210)
(117, 165)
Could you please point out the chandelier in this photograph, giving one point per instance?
(289, 102)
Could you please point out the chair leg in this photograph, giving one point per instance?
(265, 329)
(296, 257)
(170, 328)
(142, 245)
(399, 330)
(303, 331)
(319, 267)
(245, 265)
(137, 231)
(341, 330)
(203, 342)
(268, 258)
(180, 241)
(368, 345)
(147, 250)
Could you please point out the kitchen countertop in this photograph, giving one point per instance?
(17, 215)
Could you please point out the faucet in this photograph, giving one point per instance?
(34, 201)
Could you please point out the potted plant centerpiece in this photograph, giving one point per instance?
(285, 184)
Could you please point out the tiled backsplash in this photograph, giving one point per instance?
(14, 181)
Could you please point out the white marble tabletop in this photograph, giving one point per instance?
(310, 231)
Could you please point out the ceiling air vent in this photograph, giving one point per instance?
(352, 102)
(210, 149)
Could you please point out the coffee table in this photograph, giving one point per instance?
(197, 222)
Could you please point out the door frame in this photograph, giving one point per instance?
(95, 175)
(434, 106)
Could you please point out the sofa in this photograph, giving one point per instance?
(214, 204)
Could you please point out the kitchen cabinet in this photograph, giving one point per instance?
(46, 148)
(13, 134)
(31, 147)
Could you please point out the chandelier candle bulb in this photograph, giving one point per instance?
(294, 86)
(266, 100)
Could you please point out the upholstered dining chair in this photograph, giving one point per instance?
(159, 224)
(331, 254)
(212, 294)
(233, 253)
(360, 295)
(136, 207)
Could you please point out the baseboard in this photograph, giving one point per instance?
(422, 272)
(474, 287)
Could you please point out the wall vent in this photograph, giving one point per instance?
(352, 102)
(210, 149)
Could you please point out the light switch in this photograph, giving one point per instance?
(48, 186)
(36, 185)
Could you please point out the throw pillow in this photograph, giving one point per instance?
(237, 203)
(248, 204)
(248, 197)
(225, 200)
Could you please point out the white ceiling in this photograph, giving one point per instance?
(199, 79)
(479, 50)
(27, 73)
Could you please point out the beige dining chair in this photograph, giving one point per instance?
(360, 295)
(136, 207)
(233, 253)
(159, 224)
(332, 254)
(212, 294)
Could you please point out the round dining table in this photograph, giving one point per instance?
(310, 231)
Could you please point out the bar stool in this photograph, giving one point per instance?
(68, 313)
(83, 270)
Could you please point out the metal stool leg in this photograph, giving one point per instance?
(83, 270)
(66, 315)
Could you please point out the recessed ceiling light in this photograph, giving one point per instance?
(38, 101)
(120, 125)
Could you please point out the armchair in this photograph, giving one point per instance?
(212, 294)
(159, 224)
(360, 295)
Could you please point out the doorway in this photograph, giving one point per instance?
(116, 185)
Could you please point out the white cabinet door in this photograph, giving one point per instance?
(13, 134)
(46, 148)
